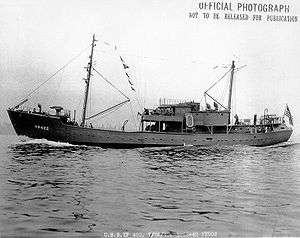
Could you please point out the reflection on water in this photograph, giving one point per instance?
(50, 188)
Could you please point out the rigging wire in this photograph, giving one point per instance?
(218, 91)
(90, 96)
(223, 96)
(113, 108)
(217, 81)
(134, 119)
(108, 110)
(79, 103)
(60, 69)
(116, 50)
(234, 97)
(110, 83)
(143, 99)
(58, 88)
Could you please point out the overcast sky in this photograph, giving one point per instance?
(169, 54)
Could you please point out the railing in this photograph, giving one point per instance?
(165, 101)
(28, 109)
(159, 112)
(263, 120)
(270, 119)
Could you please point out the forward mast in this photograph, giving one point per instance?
(87, 81)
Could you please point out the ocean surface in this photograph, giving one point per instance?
(50, 189)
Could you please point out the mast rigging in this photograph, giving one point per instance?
(87, 81)
(232, 69)
(230, 86)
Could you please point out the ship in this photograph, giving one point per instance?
(171, 123)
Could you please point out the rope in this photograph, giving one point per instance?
(58, 89)
(135, 121)
(218, 81)
(43, 83)
(116, 50)
(224, 92)
(90, 109)
(108, 110)
(110, 83)
(138, 101)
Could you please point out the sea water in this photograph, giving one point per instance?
(59, 189)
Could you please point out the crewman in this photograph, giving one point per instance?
(216, 106)
(40, 108)
(236, 119)
(208, 107)
(254, 119)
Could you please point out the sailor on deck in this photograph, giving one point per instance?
(236, 119)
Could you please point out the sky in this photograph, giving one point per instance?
(169, 54)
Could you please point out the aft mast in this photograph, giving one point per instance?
(230, 86)
(87, 81)
(230, 89)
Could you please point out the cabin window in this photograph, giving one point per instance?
(209, 138)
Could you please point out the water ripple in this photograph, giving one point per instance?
(50, 188)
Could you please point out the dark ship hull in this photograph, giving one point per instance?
(50, 127)
(170, 124)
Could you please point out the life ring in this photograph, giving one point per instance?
(189, 120)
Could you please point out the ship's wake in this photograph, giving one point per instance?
(29, 141)
(187, 151)
(42, 147)
(216, 151)
(287, 144)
